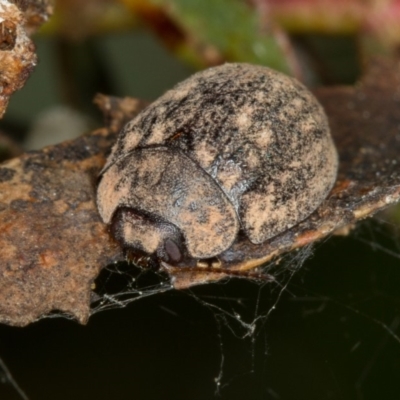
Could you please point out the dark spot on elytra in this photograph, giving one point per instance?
(6, 174)
(19, 205)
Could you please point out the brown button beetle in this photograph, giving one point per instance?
(234, 153)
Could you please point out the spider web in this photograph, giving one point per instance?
(246, 323)
(247, 320)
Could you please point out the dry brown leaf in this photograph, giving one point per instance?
(54, 243)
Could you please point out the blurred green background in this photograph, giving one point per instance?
(333, 332)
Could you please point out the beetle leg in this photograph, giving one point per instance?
(202, 264)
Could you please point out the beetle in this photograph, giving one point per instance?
(234, 154)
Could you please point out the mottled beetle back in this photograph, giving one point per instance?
(257, 151)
